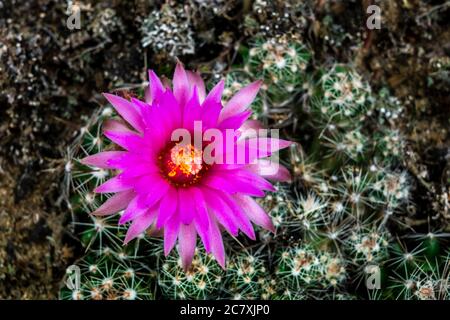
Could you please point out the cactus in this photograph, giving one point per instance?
(109, 278)
(245, 276)
(202, 280)
(305, 270)
(339, 219)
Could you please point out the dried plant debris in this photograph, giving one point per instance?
(169, 30)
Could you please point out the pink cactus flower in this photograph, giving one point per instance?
(169, 186)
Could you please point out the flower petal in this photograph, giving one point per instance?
(167, 207)
(127, 110)
(116, 126)
(171, 233)
(187, 240)
(272, 144)
(254, 212)
(102, 159)
(235, 121)
(134, 209)
(247, 151)
(181, 85)
(221, 211)
(200, 207)
(246, 177)
(270, 170)
(241, 218)
(116, 184)
(215, 239)
(143, 107)
(192, 111)
(132, 159)
(221, 183)
(140, 224)
(201, 219)
(117, 202)
(128, 141)
(250, 129)
(134, 170)
(170, 112)
(148, 95)
(241, 100)
(215, 95)
(196, 80)
(203, 232)
(155, 85)
(212, 106)
(150, 184)
(186, 205)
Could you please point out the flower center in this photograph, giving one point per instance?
(182, 165)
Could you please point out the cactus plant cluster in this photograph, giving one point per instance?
(341, 226)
